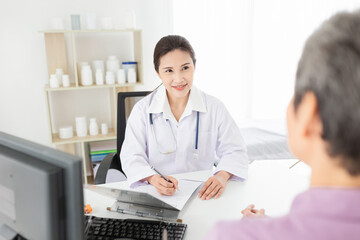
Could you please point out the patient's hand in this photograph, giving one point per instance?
(250, 211)
(162, 186)
(214, 186)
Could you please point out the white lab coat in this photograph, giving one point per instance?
(219, 137)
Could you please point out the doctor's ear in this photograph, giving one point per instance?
(158, 74)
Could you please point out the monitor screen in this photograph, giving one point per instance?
(41, 194)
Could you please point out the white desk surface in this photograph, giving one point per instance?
(271, 185)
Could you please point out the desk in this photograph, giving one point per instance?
(271, 185)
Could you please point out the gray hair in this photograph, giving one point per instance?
(330, 68)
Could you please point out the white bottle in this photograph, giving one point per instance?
(86, 75)
(104, 129)
(121, 76)
(59, 73)
(110, 77)
(81, 126)
(65, 80)
(98, 64)
(93, 127)
(53, 81)
(91, 21)
(99, 76)
(66, 132)
(112, 64)
(131, 75)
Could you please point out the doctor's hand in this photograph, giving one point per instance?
(162, 186)
(214, 186)
(250, 211)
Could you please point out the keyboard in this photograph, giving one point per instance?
(97, 228)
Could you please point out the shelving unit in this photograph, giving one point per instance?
(65, 49)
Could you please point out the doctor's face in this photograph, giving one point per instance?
(176, 71)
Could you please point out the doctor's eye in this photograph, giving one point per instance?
(168, 70)
(185, 67)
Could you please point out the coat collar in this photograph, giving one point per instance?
(160, 103)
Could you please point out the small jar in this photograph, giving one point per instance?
(110, 77)
(99, 76)
(98, 64)
(91, 21)
(112, 64)
(86, 75)
(104, 129)
(131, 75)
(121, 76)
(128, 65)
(93, 127)
(65, 80)
(53, 81)
(81, 126)
(66, 132)
(59, 73)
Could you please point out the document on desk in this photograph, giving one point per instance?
(178, 200)
(180, 197)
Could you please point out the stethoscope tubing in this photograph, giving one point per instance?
(197, 128)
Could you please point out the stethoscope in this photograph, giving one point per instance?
(174, 150)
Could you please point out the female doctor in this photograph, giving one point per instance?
(178, 128)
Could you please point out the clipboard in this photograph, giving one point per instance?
(138, 203)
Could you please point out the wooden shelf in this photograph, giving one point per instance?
(55, 31)
(66, 49)
(100, 137)
(73, 87)
(61, 88)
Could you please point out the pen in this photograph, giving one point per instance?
(294, 164)
(166, 179)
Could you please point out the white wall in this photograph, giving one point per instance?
(23, 69)
(247, 51)
(280, 29)
(218, 31)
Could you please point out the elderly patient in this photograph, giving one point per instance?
(323, 121)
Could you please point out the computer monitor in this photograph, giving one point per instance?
(41, 194)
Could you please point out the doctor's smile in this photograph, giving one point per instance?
(180, 87)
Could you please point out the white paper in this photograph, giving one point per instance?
(180, 197)
(178, 200)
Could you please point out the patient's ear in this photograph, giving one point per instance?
(308, 116)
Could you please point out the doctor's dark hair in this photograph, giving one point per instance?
(170, 43)
(330, 68)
